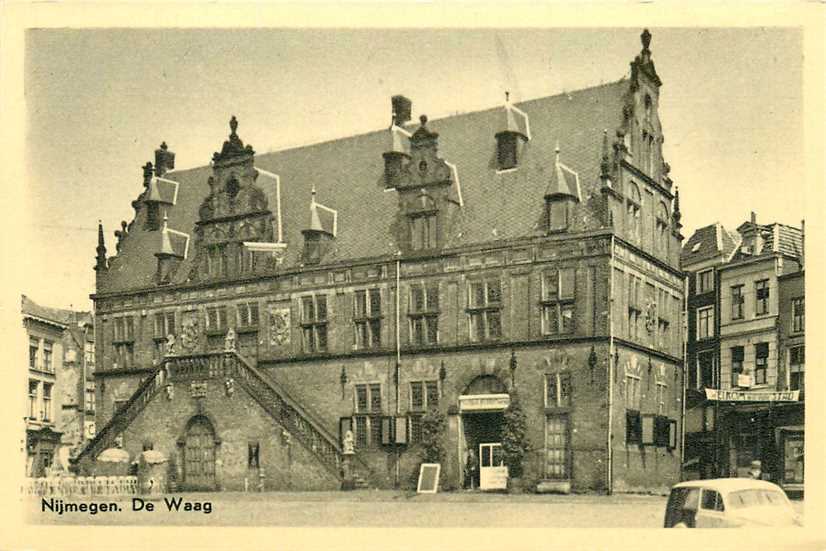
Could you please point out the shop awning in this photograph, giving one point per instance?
(752, 396)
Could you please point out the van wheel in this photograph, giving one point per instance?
(680, 525)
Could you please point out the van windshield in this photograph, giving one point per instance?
(755, 498)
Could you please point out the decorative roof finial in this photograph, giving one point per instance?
(233, 125)
(312, 193)
(165, 220)
(645, 38)
(164, 146)
(423, 119)
(556, 150)
(605, 165)
(100, 259)
(507, 96)
(677, 214)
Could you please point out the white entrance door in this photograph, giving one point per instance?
(493, 474)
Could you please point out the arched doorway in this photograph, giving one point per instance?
(199, 455)
(482, 406)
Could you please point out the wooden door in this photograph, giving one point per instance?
(199, 456)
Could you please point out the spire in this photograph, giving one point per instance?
(100, 259)
(315, 220)
(166, 242)
(564, 181)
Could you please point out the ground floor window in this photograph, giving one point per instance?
(556, 446)
(793, 459)
(367, 431)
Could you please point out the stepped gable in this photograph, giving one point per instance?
(348, 174)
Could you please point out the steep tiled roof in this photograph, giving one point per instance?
(709, 242)
(789, 239)
(349, 176)
(30, 308)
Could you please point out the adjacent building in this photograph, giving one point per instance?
(259, 309)
(744, 345)
(59, 413)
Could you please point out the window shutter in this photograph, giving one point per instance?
(672, 434)
(647, 421)
(401, 430)
(387, 427)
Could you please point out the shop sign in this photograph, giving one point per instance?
(752, 396)
(484, 402)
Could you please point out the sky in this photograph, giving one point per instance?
(99, 101)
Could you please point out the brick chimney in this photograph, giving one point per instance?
(164, 160)
(402, 108)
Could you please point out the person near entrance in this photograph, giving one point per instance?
(471, 470)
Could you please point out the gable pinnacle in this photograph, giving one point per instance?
(645, 38)
(233, 125)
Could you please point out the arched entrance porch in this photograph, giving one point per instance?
(481, 422)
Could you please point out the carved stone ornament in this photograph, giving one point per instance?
(349, 444)
(229, 386)
(229, 341)
(170, 391)
(170, 345)
(189, 332)
(280, 327)
(651, 317)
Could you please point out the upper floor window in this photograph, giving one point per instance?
(558, 302)
(424, 313)
(216, 320)
(633, 206)
(706, 365)
(47, 402)
(557, 390)
(34, 387)
(34, 351)
(314, 323)
(635, 306)
(558, 213)
(367, 318)
(248, 315)
(705, 322)
(797, 369)
(124, 329)
(424, 395)
(737, 300)
(423, 234)
(484, 309)
(216, 260)
(89, 351)
(737, 356)
(761, 296)
(798, 315)
(89, 404)
(761, 363)
(312, 247)
(368, 409)
(705, 281)
(244, 259)
(648, 107)
(663, 319)
(164, 324)
(661, 237)
(47, 357)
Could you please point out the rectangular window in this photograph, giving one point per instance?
(89, 349)
(705, 281)
(368, 398)
(797, 368)
(705, 322)
(737, 300)
(635, 306)
(314, 323)
(558, 302)
(705, 365)
(424, 395)
(367, 318)
(798, 315)
(248, 315)
(423, 234)
(484, 309)
(415, 424)
(761, 362)
(557, 390)
(506, 150)
(33, 399)
(164, 324)
(216, 319)
(761, 295)
(47, 402)
(90, 400)
(557, 215)
(124, 329)
(737, 356)
(47, 357)
(34, 349)
(362, 435)
(424, 314)
(217, 262)
(125, 354)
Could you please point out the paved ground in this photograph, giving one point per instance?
(370, 508)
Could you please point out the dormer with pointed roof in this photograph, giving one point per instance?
(513, 133)
(174, 247)
(561, 194)
(320, 231)
(160, 193)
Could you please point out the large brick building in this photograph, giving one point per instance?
(353, 284)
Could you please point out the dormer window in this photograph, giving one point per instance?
(560, 196)
(506, 150)
(557, 213)
(423, 224)
(152, 219)
(312, 248)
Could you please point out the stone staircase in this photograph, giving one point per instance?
(300, 423)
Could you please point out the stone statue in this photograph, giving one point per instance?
(349, 446)
(229, 384)
(170, 391)
(119, 441)
(170, 345)
(229, 341)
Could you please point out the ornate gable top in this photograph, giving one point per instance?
(233, 147)
(643, 60)
(423, 137)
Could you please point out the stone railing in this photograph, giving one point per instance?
(68, 486)
(105, 437)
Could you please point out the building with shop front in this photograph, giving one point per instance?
(259, 309)
(743, 400)
(59, 413)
